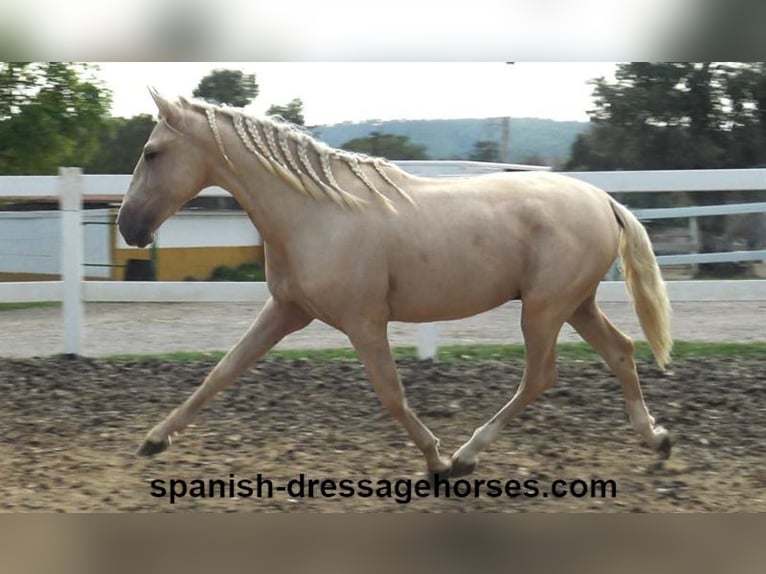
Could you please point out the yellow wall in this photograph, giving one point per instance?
(177, 264)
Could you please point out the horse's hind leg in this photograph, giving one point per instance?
(371, 343)
(540, 331)
(274, 322)
(617, 351)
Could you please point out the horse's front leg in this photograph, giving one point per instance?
(275, 321)
(372, 345)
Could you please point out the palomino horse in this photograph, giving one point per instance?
(356, 242)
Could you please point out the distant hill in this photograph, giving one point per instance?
(454, 139)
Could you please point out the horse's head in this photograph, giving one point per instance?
(172, 170)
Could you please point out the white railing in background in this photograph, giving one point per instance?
(70, 186)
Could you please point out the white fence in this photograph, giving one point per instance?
(30, 242)
(70, 187)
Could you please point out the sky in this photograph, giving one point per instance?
(334, 92)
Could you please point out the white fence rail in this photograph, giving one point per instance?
(71, 186)
(245, 292)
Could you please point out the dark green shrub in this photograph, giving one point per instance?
(244, 272)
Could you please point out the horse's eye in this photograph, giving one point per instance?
(150, 154)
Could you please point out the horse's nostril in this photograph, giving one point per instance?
(126, 229)
(135, 233)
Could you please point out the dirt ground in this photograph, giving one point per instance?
(68, 429)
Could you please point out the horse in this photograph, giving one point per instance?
(356, 242)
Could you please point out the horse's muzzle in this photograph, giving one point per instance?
(134, 232)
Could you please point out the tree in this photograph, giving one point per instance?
(680, 115)
(292, 112)
(485, 150)
(18, 83)
(51, 115)
(536, 159)
(121, 143)
(386, 145)
(227, 87)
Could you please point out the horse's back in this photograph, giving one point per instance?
(513, 210)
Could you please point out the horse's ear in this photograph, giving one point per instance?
(170, 111)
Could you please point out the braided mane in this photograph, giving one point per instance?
(287, 151)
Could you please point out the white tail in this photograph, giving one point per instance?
(645, 284)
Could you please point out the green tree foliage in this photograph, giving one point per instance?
(121, 144)
(386, 145)
(227, 87)
(292, 112)
(18, 83)
(676, 116)
(51, 115)
(485, 150)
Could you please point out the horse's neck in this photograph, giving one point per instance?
(272, 206)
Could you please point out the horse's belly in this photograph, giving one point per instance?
(446, 300)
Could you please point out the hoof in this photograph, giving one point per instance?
(664, 448)
(460, 468)
(443, 472)
(150, 447)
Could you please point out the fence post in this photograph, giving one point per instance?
(694, 236)
(427, 341)
(70, 204)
